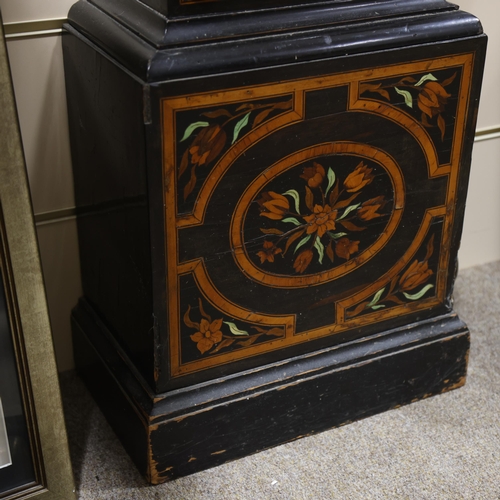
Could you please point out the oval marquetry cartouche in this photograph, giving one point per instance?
(306, 219)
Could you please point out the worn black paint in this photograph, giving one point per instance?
(258, 409)
(121, 60)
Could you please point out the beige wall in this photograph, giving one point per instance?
(481, 238)
(37, 72)
(15, 11)
(36, 61)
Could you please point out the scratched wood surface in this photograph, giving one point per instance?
(182, 432)
(178, 8)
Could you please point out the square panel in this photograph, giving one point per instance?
(299, 210)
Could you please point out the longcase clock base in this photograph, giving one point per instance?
(188, 430)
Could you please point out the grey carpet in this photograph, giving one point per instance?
(445, 447)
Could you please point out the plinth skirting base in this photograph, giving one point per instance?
(188, 430)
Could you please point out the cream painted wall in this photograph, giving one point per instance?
(15, 11)
(481, 236)
(488, 11)
(37, 71)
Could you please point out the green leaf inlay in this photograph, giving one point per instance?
(331, 180)
(295, 195)
(303, 241)
(348, 210)
(376, 298)
(293, 220)
(425, 78)
(408, 97)
(192, 128)
(320, 248)
(239, 126)
(336, 236)
(235, 330)
(418, 295)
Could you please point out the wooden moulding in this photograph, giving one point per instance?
(167, 49)
(166, 435)
(167, 28)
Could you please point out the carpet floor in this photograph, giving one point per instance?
(444, 447)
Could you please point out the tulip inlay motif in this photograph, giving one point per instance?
(215, 131)
(321, 221)
(426, 93)
(407, 286)
(212, 336)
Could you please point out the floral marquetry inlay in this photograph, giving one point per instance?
(411, 284)
(320, 220)
(212, 336)
(311, 210)
(320, 217)
(430, 97)
(211, 132)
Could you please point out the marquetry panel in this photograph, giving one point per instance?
(300, 209)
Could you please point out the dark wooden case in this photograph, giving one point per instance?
(270, 203)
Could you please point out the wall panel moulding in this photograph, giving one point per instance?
(34, 28)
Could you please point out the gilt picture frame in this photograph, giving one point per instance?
(34, 455)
